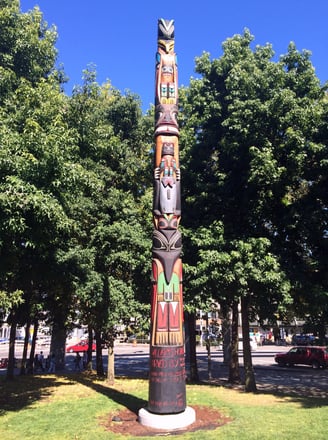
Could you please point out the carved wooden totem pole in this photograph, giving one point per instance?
(167, 389)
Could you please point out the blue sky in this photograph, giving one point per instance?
(120, 36)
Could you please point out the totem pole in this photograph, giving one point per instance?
(167, 389)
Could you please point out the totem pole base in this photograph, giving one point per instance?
(167, 422)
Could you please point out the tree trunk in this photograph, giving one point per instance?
(234, 372)
(250, 383)
(226, 337)
(99, 360)
(58, 341)
(209, 359)
(88, 366)
(111, 364)
(26, 341)
(11, 354)
(190, 344)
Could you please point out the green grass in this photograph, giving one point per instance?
(72, 407)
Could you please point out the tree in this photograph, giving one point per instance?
(27, 47)
(249, 131)
(36, 184)
(306, 207)
(113, 240)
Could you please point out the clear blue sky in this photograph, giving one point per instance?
(120, 36)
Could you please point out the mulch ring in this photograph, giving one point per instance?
(126, 422)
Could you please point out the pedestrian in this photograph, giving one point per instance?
(38, 362)
(52, 362)
(77, 362)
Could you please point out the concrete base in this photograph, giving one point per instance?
(167, 422)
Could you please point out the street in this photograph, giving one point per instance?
(132, 361)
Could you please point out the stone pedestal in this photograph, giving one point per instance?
(167, 422)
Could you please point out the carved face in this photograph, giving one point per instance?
(168, 222)
(167, 73)
(162, 243)
(168, 148)
(166, 45)
(166, 114)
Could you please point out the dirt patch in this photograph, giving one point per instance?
(126, 422)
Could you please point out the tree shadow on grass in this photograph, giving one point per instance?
(23, 391)
(127, 400)
(306, 396)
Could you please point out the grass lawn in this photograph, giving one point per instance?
(74, 406)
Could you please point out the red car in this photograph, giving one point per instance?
(80, 346)
(305, 355)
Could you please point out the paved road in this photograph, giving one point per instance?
(132, 361)
(269, 376)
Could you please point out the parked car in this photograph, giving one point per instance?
(80, 346)
(304, 355)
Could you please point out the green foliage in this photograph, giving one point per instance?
(38, 179)
(253, 144)
(227, 270)
(9, 300)
(73, 185)
(27, 46)
(114, 228)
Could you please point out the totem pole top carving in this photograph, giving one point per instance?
(166, 35)
(166, 93)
